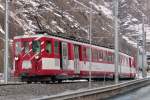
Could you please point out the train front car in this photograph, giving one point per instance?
(46, 58)
(31, 52)
(27, 56)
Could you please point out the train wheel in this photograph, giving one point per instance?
(47, 82)
(35, 82)
(59, 81)
(42, 82)
(113, 78)
(53, 80)
(87, 79)
(29, 82)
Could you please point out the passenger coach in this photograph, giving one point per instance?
(45, 58)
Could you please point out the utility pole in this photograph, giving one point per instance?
(90, 34)
(137, 56)
(143, 48)
(115, 5)
(6, 44)
(89, 37)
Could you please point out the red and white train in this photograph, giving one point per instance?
(43, 57)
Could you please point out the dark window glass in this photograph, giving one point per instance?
(100, 55)
(18, 48)
(95, 55)
(36, 46)
(104, 56)
(84, 53)
(48, 47)
(65, 50)
(110, 58)
(88, 53)
(26, 47)
(56, 49)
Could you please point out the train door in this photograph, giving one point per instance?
(130, 65)
(64, 56)
(76, 59)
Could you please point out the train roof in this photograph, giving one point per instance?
(79, 41)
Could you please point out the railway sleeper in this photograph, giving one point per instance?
(44, 79)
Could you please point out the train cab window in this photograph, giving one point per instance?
(18, 48)
(48, 47)
(56, 48)
(26, 47)
(36, 46)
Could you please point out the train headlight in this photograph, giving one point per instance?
(36, 56)
(16, 58)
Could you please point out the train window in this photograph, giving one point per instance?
(108, 58)
(48, 47)
(95, 54)
(56, 49)
(26, 47)
(127, 61)
(100, 55)
(111, 58)
(65, 51)
(18, 48)
(84, 54)
(88, 53)
(36, 46)
(104, 56)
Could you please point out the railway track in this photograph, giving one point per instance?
(12, 83)
(99, 92)
(23, 91)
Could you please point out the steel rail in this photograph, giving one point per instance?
(12, 83)
(80, 94)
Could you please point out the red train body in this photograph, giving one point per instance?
(43, 57)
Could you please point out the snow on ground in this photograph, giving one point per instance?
(52, 7)
(69, 17)
(147, 30)
(60, 29)
(104, 9)
(140, 75)
(148, 74)
(138, 29)
(1, 78)
(2, 7)
(129, 41)
(1, 30)
(57, 15)
(84, 29)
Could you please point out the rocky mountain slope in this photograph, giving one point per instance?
(72, 17)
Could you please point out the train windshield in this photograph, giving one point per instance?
(26, 47)
(18, 48)
(36, 46)
(56, 49)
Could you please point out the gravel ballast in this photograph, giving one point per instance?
(31, 91)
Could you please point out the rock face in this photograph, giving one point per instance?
(72, 17)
